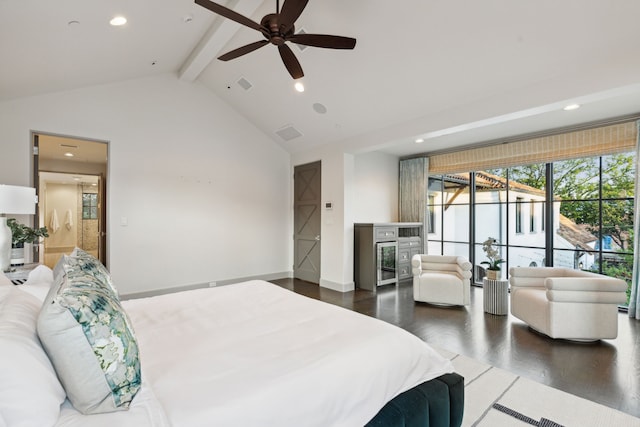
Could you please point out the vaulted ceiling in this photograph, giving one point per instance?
(452, 72)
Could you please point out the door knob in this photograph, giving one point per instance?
(317, 237)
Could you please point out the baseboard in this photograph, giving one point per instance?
(340, 287)
(156, 292)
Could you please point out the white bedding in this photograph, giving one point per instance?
(255, 354)
(250, 354)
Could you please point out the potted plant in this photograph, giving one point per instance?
(493, 254)
(22, 234)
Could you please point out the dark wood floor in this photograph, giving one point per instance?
(607, 372)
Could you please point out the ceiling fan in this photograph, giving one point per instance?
(277, 29)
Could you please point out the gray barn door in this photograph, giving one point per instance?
(306, 222)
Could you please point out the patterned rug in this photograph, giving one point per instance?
(496, 398)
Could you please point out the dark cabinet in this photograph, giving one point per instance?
(383, 251)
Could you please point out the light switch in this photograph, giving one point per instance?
(124, 221)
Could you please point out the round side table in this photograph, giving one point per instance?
(496, 296)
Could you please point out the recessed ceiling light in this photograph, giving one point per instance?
(67, 154)
(571, 107)
(419, 141)
(299, 86)
(118, 20)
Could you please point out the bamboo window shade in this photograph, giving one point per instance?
(604, 140)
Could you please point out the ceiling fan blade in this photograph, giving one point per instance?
(230, 14)
(291, 11)
(290, 61)
(233, 54)
(323, 40)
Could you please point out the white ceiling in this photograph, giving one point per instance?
(456, 72)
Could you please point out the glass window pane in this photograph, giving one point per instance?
(618, 175)
(576, 179)
(528, 181)
(491, 186)
(577, 225)
(620, 267)
(577, 260)
(526, 213)
(434, 247)
(526, 257)
(458, 249)
(491, 221)
(617, 225)
(456, 189)
(456, 223)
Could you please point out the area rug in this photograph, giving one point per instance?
(496, 398)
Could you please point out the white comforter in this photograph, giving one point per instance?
(254, 354)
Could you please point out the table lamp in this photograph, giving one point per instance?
(14, 200)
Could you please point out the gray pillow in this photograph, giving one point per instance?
(90, 341)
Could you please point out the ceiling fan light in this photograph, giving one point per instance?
(299, 86)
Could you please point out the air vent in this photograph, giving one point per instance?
(288, 133)
(244, 83)
(301, 46)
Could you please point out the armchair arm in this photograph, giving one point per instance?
(586, 284)
(435, 263)
(601, 289)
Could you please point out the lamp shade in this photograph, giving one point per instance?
(16, 200)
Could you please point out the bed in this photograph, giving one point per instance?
(248, 354)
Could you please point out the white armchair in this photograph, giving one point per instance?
(441, 279)
(566, 303)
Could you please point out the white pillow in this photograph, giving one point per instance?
(4, 280)
(38, 282)
(30, 393)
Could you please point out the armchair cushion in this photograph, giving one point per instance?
(566, 303)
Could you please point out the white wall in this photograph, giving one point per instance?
(204, 194)
(376, 182)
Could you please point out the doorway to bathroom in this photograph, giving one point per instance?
(71, 187)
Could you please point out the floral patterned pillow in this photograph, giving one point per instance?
(90, 341)
(81, 262)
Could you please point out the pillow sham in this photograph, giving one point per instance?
(81, 262)
(90, 341)
(30, 392)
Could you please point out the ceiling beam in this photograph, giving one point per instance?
(216, 38)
